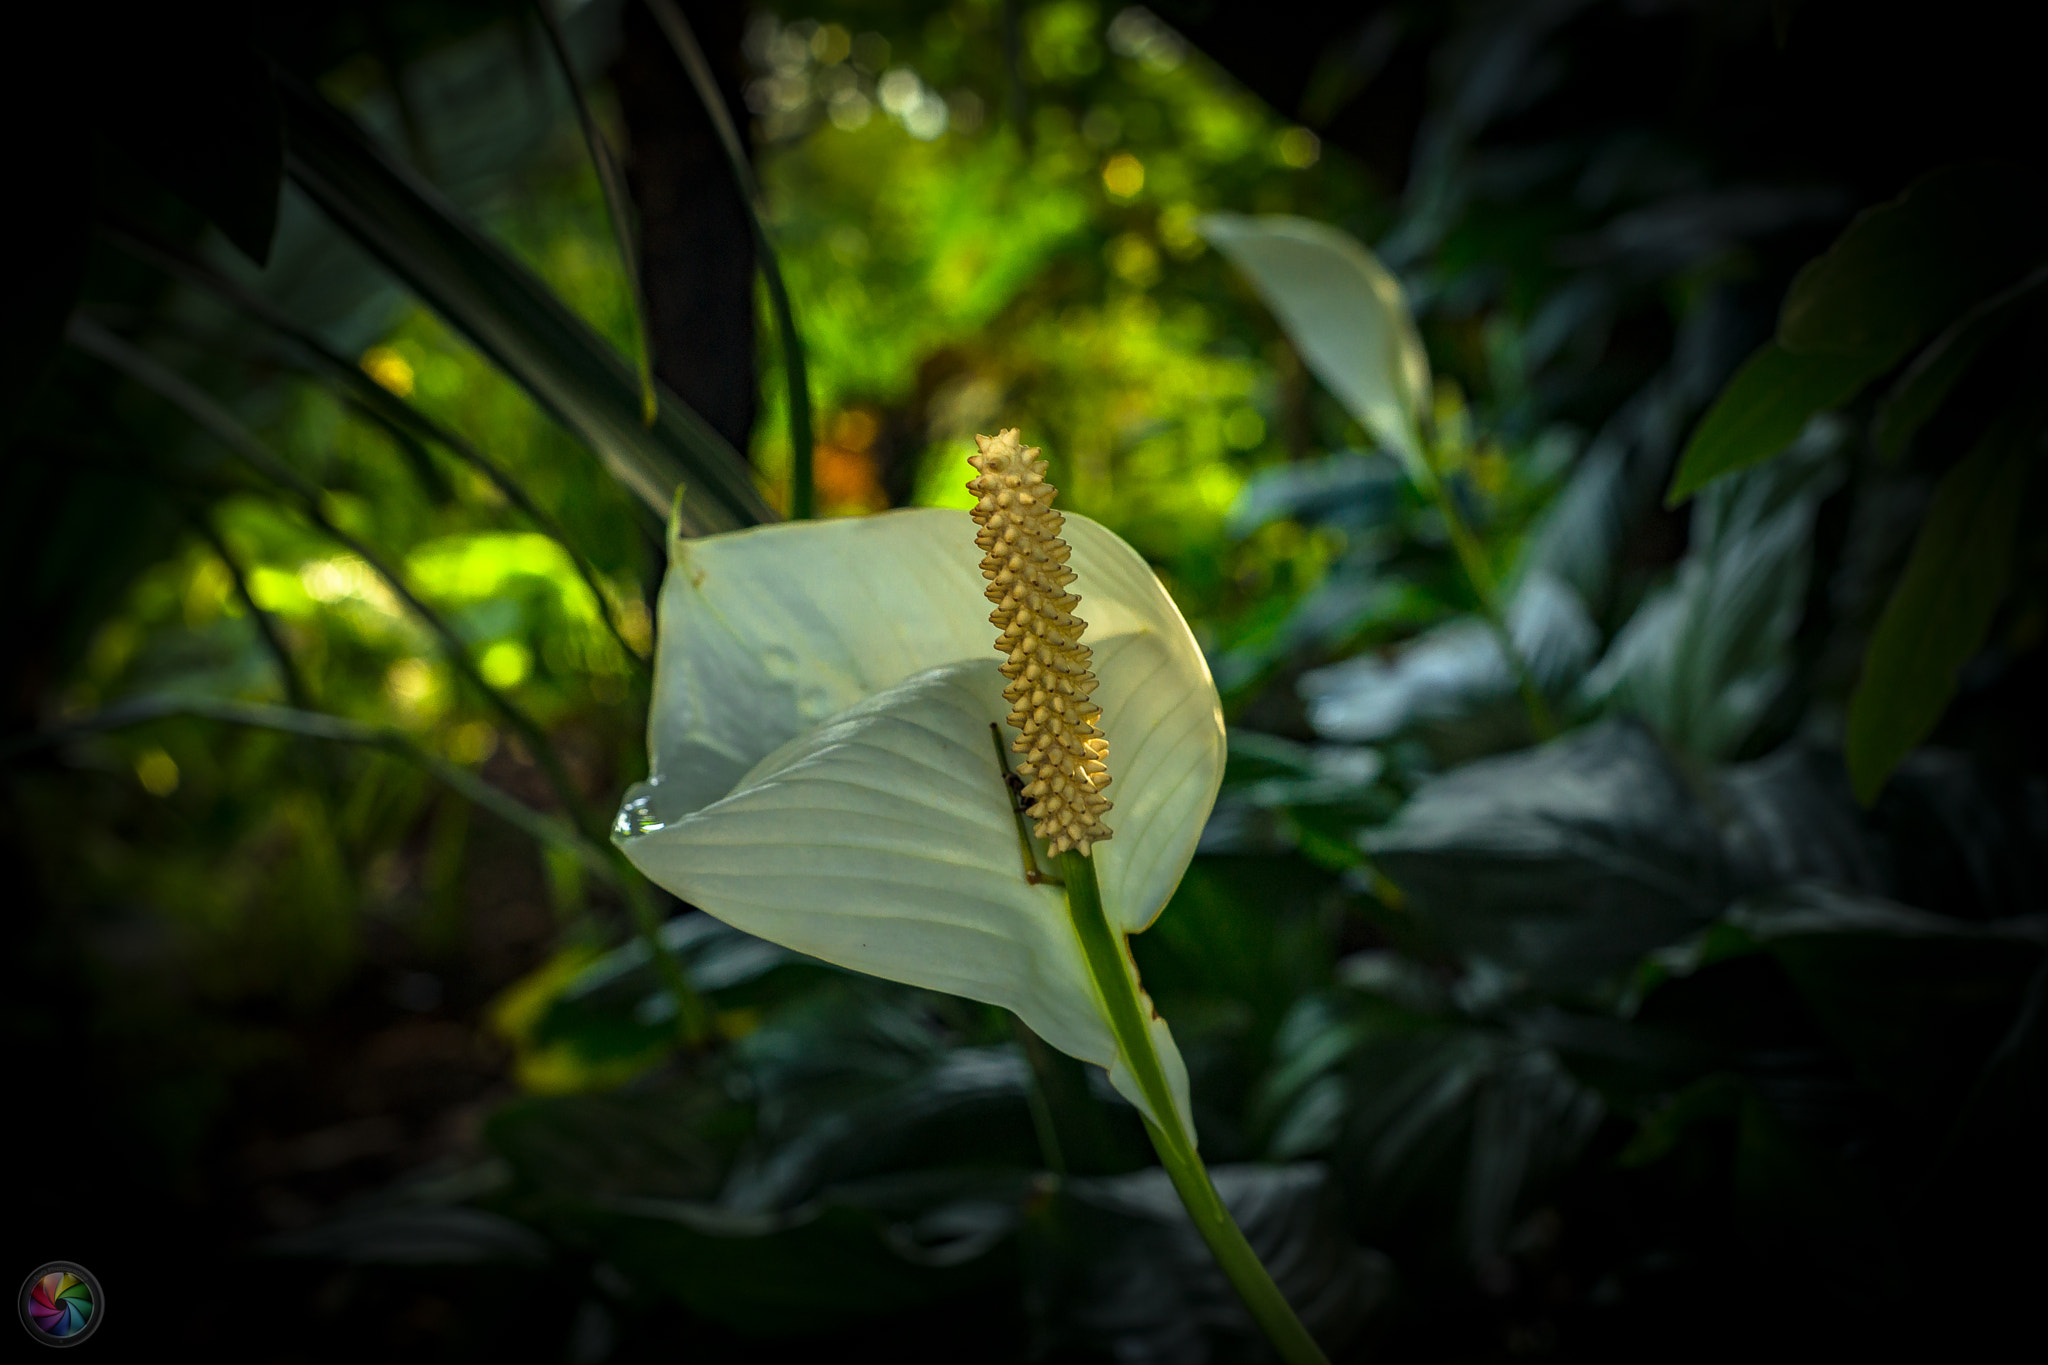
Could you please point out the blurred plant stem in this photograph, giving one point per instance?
(802, 495)
(1479, 573)
(1108, 959)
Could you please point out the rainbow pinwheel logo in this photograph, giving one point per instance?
(61, 1304)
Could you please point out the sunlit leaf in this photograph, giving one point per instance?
(824, 774)
(1345, 314)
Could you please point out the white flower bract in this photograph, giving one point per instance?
(822, 773)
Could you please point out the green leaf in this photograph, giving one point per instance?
(617, 202)
(877, 1250)
(1764, 409)
(1453, 1132)
(1559, 865)
(1909, 266)
(406, 425)
(513, 318)
(1942, 608)
(1345, 314)
(1705, 656)
(795, 371)
(1934, 373)
(1152, 1291)
(657, 1141)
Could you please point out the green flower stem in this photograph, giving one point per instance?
(1472, 558)
(1107, 964)
(1039, 1095)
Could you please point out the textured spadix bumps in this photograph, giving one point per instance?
(1064, 763)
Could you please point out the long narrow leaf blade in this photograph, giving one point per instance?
(617, 203)
(516, 321)
(403, 422)
(674, 27)
(213, 418)
(1942, 609)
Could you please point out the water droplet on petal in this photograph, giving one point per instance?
(636, 816)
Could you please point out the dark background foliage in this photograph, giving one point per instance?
(1649, 1038)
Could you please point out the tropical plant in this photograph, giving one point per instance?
(1620, 924)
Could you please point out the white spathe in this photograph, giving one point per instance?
(824, 778)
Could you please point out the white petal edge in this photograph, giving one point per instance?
(769, 632)
(882, 841)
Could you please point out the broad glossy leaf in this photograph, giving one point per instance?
(1559, 865)
(1941, 610)
(824, 774)
(517, 322)
(656, 1141)
(1764, 409)
(1458, 1121)
(1907, 267)
(1789, 817)
(859, 1251)
(1964, 838)
(967, 1107)
(1143, 1288)
(1345, 314)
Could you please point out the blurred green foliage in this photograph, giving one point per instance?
(1719, 1016)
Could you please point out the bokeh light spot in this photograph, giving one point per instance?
(157, 771)
(1297, 147)
(1123, 175)
(390, 369)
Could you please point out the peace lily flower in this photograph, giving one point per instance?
(824, 777)
(823, 772)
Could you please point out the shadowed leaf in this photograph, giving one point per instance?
(1942, 608)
